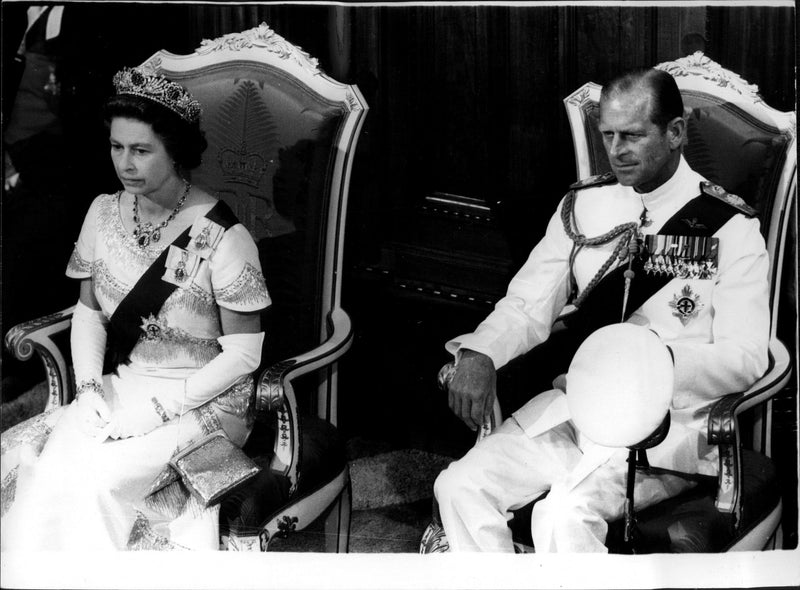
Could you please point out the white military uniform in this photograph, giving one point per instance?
(719, 344)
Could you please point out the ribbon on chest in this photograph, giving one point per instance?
(684, 247)
(171, 269)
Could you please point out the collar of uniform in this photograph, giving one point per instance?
(676, 192)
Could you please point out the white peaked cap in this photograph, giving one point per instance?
(619, 385)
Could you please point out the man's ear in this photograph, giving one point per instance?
(676, 131)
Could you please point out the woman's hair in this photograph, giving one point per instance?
(667, 103)
(185, 142)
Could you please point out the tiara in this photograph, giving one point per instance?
(158, 89)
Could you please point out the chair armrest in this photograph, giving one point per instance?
(274, 392)
(723, 424)
(37, 336)
(722, 418)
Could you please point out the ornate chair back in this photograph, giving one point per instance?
(281, 136)
(747, 147)
(735, 140)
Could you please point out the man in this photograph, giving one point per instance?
(675, 254)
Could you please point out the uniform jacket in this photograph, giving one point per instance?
(719, 341)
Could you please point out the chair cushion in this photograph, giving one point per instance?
(688, 523)
(730, 148)
(322, 458)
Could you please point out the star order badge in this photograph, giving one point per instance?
(686, 305)
(151, 328)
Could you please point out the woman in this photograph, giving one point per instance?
(171, 283)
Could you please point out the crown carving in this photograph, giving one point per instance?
(136, 82)
(239, 165)
(243, 129)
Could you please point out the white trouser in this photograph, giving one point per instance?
(508, 469)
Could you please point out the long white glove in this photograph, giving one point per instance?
(240, 356)
(136, 419)
(88, 343)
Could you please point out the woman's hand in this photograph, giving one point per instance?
(136, 420)
(93, 413)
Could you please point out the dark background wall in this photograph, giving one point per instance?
(464, 154)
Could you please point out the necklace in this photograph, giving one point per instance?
(144, 233)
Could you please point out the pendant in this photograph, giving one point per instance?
(180, 270)
(201, 241)
(155, 235)
(143, 240)
(143, 234)
(644, 220)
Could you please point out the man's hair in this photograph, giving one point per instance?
(666, 98)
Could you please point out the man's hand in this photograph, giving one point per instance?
(473, 388)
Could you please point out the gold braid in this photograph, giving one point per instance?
(621, 251)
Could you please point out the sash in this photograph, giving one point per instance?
(701, 217)
(150, 292)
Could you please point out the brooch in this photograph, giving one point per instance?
(180, 266)
(151, 328)
(686, 305)
(204, 236)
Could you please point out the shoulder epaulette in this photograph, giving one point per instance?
(598, 180)
(735, 201)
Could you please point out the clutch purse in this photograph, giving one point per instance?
(213, 467)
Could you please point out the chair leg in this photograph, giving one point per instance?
(337, 523)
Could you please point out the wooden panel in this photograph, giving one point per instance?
(758, 43)
(679, 33)
(467, 100)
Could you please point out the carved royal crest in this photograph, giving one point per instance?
(241, 165)
(244, 130)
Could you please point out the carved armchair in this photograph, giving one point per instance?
(739, 142)
(282, 137)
